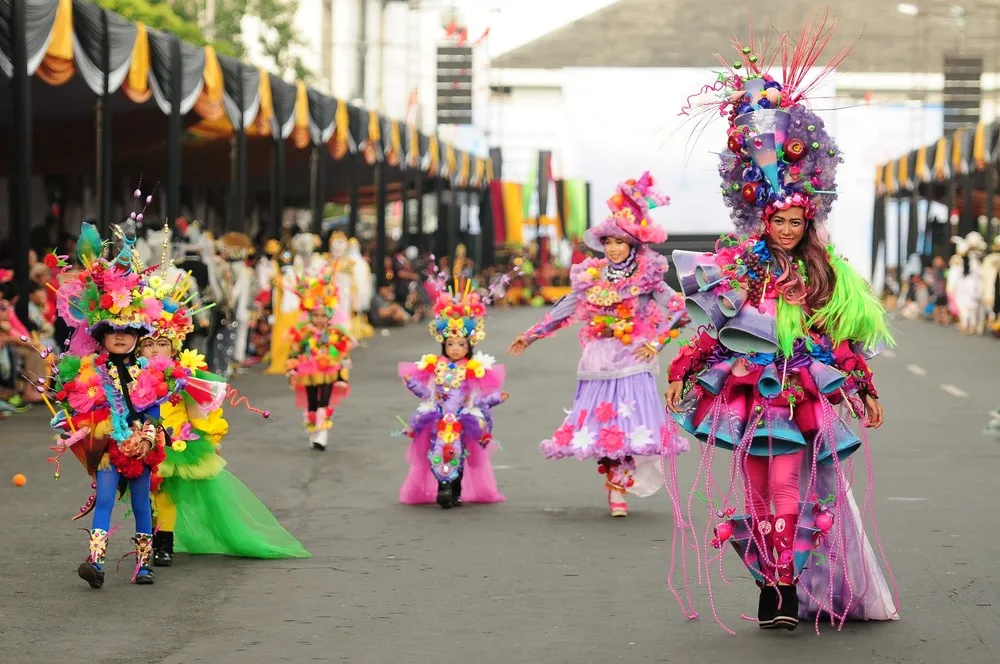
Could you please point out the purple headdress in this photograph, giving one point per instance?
(780, 154)
(629, 219)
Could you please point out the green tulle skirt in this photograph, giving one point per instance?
(222, 516)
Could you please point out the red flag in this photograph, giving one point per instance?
(482, 37)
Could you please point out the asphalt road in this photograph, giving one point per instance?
(547, 577)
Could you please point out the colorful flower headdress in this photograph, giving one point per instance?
(317, 291)
(629, 219)
(780, 155)
(172, 320)
(169, 316)
(459, 313)
(105, 295)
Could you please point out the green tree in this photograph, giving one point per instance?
(178, 18)
(156, 14)
(280, 38)
(277, 38)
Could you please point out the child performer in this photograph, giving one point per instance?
(200, 506)
(107, 398)
(620, 300)
(319, 364)
(452, 428)
(780, 358)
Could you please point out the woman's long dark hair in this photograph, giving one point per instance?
(812, 251)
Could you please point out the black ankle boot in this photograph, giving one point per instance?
(163, 548)
(788, 612)
(767, 607)
(445, 497)
(456, 492)
(92, 574)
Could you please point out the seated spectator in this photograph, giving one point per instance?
(38, 300)
(385, 311)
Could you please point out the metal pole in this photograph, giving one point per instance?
(900, 242)
(319, 182)
(174, 133)
(440, 235)
(104, 131)
(381, 55)
(354, 193)
(454, 216)
(277, 186)
(378, 263)
(20, 168)
(240, 174)
(405, 237)
(422, 241)
(362, 47)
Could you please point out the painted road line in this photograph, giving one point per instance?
(954, 391)
(916, 369)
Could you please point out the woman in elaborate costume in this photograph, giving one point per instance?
(779, 363)
(364, 288)
(200, 507)
(628, 315)
(107, 399)
(285, 307)
(319, 362)
(452, 428)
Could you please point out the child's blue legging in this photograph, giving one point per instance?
(107, 489)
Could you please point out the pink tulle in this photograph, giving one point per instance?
(479, 484)
(490, 383)
(337, 394)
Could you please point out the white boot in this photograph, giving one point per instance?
(322, 430)
(311, 429)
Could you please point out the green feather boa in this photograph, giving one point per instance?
(852, 314)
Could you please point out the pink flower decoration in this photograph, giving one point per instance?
(143, 392)
(612, 438)
(581, 418)
(152, 308)
(563, 435)
(605, 412)
(186, 433)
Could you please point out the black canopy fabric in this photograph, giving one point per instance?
(40, 15)
(97, 31)
(162, 79)
(283, 102)
(322, 112)
(243, 104)
(93, 27)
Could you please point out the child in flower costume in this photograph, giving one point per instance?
(628, 315)
(107, 399)
(452, 428)
(200, 507)
(779, 365)
(319, 363)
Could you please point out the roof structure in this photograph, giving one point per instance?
(682, 33)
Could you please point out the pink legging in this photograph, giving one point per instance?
(773, 479)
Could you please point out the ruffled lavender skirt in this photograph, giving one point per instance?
(617, 410)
